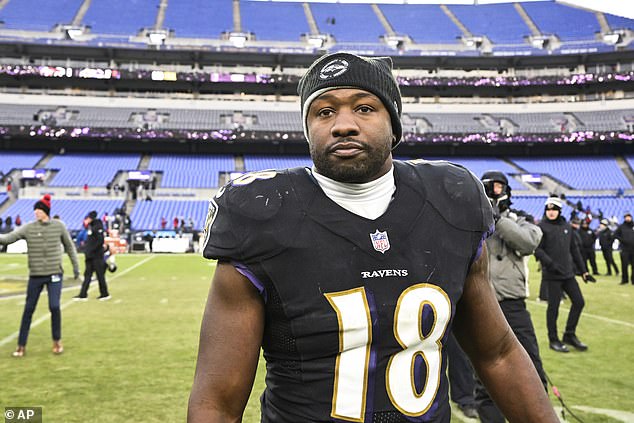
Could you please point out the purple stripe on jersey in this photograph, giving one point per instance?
(246, 272)
(484, 237)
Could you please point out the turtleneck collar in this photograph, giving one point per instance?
(369, 199)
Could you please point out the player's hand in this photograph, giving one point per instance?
(76, 274)
(587, 277)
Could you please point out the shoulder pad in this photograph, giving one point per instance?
(456, 193)
(256, 195)
(246, 217)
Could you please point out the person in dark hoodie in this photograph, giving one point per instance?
(606, 239)
(556, 252)
(625, 234)
(94, 251)
(575, 223)
(588, 239)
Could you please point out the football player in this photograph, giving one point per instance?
(352, 274)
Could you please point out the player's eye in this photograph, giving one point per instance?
(365, 109)
(325, 112)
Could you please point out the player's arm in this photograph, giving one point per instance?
(229, 349)
(575, 251)
(498, 358)
(11, 237)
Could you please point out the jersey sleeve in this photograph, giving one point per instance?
(248, 219)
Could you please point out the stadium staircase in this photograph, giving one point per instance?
(549, 184)
(386, 25)
(310, 18)
(574, 123)
(237, 17)
(488, 122)
(625, 167)
(603, 23)
(527, 19)
(144, 163)
(10, 199)
(456, 21)
(81, 12)
(160, 16)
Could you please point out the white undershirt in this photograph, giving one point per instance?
(369, 200)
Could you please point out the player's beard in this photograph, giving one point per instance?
(358, 169)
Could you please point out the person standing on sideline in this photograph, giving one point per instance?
(557, 251)
(94, 258)
(352, 274)
(515, 239)
(44, 238)
(588, 240)
(625, 234)
(606, 240)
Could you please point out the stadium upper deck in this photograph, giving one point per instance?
(519, 29)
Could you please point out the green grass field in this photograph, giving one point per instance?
(132, 359)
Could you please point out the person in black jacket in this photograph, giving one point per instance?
(588, 239)
(94, 257)
(556, 252)
(625, 234)
(606, 239)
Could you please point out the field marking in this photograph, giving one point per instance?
(14, 296)
(47, 316)
(623, 416)
(594, 316)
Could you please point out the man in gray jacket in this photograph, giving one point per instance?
(514, 240)
(44, 238)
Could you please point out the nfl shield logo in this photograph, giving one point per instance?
(380, 241)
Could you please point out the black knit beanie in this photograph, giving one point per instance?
(44, 204)
(346, 70)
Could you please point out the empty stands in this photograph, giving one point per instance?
(122, 17)
(180, 171)
(284, 22)
(290, 121)
(77, 169)
(533, 205)
(584, 173)
(425, 24)
(568, 23)
(253, 162)
(199, 18)
(148, 214)
(18, 160)
(508, 27)
(118, 22)
(343, 21)
(36, 15)
(618, 22)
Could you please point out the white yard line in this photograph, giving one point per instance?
(593, 316)
(47, 316)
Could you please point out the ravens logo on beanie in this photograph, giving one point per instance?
(346, 70)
